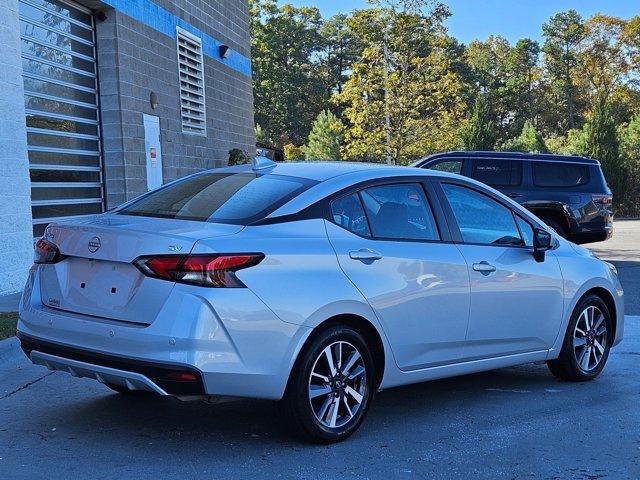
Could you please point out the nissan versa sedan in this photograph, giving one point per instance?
(315, 284)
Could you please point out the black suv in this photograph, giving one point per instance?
(568, 193)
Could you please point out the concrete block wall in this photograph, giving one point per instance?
(135, 59)
(16, 235)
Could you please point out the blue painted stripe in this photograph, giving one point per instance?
(156, 17)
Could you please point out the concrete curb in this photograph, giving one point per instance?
(9, 350)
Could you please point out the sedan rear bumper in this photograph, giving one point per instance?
(134, 374)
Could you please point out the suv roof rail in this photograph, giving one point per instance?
(510, 155)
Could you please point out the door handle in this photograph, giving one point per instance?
(365, 255)
(484, 268)
(514, 195)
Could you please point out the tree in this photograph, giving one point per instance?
(563, 34)
(403, 99)
(325, 138)
(602, 144)
(630, 150)
(340, 51)
(261, 135)
(529, 140)
(287, 91)
(480, 133)
(291, 152)
(606, 61)
(522, 76)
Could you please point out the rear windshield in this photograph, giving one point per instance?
(556, 174)
(237, 198)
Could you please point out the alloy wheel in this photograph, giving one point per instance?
(337, 384)
(590, 338)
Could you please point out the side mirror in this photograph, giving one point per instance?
(541, 243)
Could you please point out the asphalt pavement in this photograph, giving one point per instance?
(511, 423)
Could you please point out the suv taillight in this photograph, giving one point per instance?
(604, 200)
(217, 271)
(46, 252)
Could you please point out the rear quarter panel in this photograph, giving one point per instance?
(300, 279)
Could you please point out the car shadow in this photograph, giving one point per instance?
(152, 419)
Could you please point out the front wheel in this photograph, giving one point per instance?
(587, 342)
(331, 386)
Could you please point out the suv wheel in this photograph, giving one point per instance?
(331, 386)
(587, 342)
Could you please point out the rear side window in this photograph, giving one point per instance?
(348, 213)
(399, 212)
(238, 198)
(451, 166)
(500, 173)
(556, 174)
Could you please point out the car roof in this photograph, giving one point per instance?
(547, 157)
(314, 170)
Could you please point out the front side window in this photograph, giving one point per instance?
(480, 218)
(552, 174)
(348, 213)
(399, 212)
(499, 173)
(239, 198)
(450, 166)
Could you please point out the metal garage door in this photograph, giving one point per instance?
(58, 59)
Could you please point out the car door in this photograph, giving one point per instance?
(503, 174)
(390, 246)
(516, 302)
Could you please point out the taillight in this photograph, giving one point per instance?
(604, 200)
(216, 271)
(46, 252)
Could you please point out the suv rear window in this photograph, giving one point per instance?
(501, 173)
(556, 174)
(237, 198)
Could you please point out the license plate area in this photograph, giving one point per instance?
(97, 283)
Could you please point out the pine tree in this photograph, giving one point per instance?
(603, 145)
(325, 138)
(480, 134)
(529, 140)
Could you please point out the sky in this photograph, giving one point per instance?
(512, 19)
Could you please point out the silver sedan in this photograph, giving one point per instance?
(314, 284)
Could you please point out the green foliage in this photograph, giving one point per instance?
(403, 87)
(291, 152)
(630, 149)
(603, 145)
(529, 140)
(325, 138)
(238, 157)
(563, 34)
(480, 133)
(288, 94)
(403, 98)
(261, 135)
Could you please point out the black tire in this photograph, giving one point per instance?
(568, 366)
(557, 227)
(296, 406)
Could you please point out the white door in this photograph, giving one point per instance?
(516, 302)
(153, 151)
